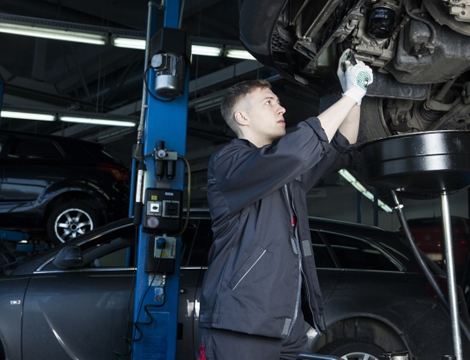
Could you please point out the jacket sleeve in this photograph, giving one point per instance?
(340, 156)
(239, 175)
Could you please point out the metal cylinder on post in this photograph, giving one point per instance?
(449, 255)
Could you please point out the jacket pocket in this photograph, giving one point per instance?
(247, 266)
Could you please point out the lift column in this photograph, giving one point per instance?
(162, 173)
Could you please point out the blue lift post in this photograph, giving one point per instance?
(157, 289)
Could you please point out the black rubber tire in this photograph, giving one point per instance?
(70, 220)
(353, 349)
(372, 124)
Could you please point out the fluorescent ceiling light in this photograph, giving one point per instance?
(206, 50)
(101, 38)
(56, 34)
(239, 54)
(353, 181)
(27, 116)
(129, 43)
(94, 121)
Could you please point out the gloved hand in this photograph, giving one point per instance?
(358, 77)
(343, 64)
(354, 79)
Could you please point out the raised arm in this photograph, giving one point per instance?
(345, 113)
(342, 115)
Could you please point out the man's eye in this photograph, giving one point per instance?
(268, 102)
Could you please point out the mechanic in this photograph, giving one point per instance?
(261, 290)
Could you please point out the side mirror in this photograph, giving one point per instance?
(68, 257)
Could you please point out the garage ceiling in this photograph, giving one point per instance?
(60, 76)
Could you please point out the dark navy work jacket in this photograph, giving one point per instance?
(262, 253)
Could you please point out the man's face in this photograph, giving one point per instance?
(266, 116)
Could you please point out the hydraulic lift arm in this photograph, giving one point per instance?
(160, 148)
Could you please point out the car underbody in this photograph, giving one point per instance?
(418, 50)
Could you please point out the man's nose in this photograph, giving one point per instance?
(281, 110)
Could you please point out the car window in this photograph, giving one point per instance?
(31, 148)
(116, 249)
(350, 253)
(117, 259)
(323, 256)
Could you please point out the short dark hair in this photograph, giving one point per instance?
(235, 94)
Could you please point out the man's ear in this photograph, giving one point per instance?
(241, 117)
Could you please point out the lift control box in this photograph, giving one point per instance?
(161, 252)
(162, 210)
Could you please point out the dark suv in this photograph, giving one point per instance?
(64, 186)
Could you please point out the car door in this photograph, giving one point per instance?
(85, 312)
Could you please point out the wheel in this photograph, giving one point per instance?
(372, 125)
(353, 349)
(70, 220)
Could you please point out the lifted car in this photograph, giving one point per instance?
(418, 50)
(60, 186)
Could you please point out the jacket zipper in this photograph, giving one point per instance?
(299, 257)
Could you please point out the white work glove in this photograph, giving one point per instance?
(354, 79)
(343, 64)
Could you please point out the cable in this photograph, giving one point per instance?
(128, 321)
(188, 197)
(136, 152)
(415, 250)
(132, 340)
(137, 323)
(408, 9)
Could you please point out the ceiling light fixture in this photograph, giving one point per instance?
(53, 33)
(196, 49)
(26, 115)
(353, 181)
(239, 54)
(96, 121)
(206, 50)
(102, 36)
(129, 43)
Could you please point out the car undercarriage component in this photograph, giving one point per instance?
(417, 49)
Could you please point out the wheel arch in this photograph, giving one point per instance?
(97, 202)
(378, 331)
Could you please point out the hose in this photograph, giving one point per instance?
(427, 273)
